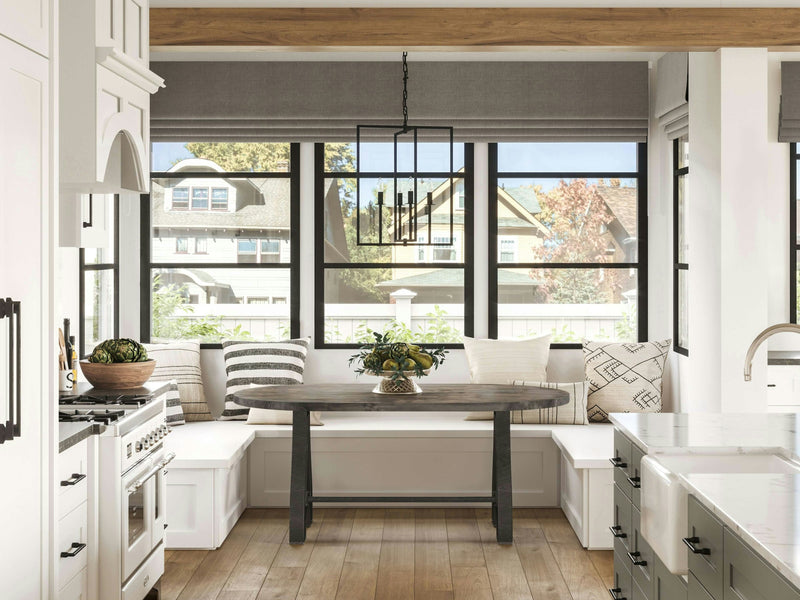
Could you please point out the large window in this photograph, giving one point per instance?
(220, 235)
(419, 292)
(98, 288)
(794, 240)
(680, 283)
(567, 241)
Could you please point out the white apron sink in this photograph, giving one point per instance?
(664, 499)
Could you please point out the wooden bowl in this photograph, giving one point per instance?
(117, 376)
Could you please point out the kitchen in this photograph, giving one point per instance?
(77, 124)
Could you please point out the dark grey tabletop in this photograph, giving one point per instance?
(434, 397)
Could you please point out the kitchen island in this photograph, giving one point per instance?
(750, 547)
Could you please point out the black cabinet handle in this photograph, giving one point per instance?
(617, 462)
(76, 477)
(88, 223)
(614, 592)
(635, 482)
(690, 543)
(76, 548)
(616, 531)
(634, 556)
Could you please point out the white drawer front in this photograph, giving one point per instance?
(73, 469)
(72, 529)
(145, 577)
(77, 588)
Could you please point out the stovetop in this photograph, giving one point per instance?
(93, 405)
(75, 415)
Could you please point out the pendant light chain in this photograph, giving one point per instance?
(405, 92)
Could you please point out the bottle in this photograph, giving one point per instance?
(73, 362)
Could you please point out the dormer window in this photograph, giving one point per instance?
(180, 198)
(199, 198)
(219, 198)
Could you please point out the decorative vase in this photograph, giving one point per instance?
(387, 385)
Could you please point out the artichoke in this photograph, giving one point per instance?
(123, 350)
(100, 355)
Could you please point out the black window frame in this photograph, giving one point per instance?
(794, 246)
(85, 268)
(641, 266)
(677, 174)
(320, 265)
(146, 264)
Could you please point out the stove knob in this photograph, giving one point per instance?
(145, 443)
(139, 446)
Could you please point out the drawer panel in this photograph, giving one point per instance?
(622, 522)
(77, 588)
(697, 591)
(73, 468)
(145, 577)
(748, 577)
(642, 553)
(637, 593)
(706, 531)
(72, 529)
(622, 578)
(667, 586)
(622, 457)
(634, 468)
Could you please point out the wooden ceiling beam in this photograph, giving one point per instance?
(475, 28)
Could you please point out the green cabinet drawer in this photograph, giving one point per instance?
(666, 585)
(641, 556)
(621, 529)
(622, 461)
(748, 577)
(696, 590)
(705, 535)
(635, 477)
(622, 579)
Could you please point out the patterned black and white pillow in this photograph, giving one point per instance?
(623, 377)
(181, 361)
(174, 410)
(260, 363)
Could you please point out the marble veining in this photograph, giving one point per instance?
(762, 508)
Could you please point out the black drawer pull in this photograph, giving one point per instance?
(616, 531)
(690, 543)
(614, 592)
(617, 462)
(634, 556)
(76, 477)
(76, 548)
(635, 482)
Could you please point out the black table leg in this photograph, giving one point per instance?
(309, 485)
(502, 470)
(494, 480)
(301, 474)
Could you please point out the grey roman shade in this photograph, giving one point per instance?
(323, 101)
(789, 125)
(672, 94)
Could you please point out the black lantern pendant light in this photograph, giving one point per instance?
(403, 214)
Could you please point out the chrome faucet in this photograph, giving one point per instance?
(768, 332)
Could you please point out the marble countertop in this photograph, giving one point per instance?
(763, 509)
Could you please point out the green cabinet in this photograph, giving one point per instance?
(748, 577)
(704, 544)
(666, 585)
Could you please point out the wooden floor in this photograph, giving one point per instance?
(393, 553)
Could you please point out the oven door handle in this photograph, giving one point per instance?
(141, 480)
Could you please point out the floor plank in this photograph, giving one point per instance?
(179, 570)
(432, 576)
(471, 583)
(321, 579)
(463, 538)
(603, 561)
(506, 574)
(396, 566)
(360, 570)
(578, 570)
(544, 576)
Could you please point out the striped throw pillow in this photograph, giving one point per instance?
(181, 361)
(174, 410)
(260, 363)
(571, 413)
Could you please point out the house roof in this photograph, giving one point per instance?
(622, 203)
(261, 204)
(455, 278)
(526, 197)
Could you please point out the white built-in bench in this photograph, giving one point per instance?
(223, 467)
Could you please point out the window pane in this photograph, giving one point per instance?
(378, 157)
(572, 220)
(103, 256)
(98, 307)
(683, 245)
(539, 157)
(211, 304)
(570, 304)
(421, 304)
(199, 198)
(220, 156)
(257, 209)
(683, 152)
(683, 308)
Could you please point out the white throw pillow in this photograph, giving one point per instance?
(624, 377)
(173, 400)
(181, 361)
(504, 361)
(268, 416)
(571, 413)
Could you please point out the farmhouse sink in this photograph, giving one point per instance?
(664, 499)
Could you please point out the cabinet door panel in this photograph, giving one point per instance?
(622, 457)
(667, 586)
(622, 522)
(642, 554)
(706, 529)
(27, 23)
(623, 582)
(747, 577)
(697, 591)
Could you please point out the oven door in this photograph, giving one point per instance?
(143, 496)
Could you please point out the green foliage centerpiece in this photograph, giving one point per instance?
(118, 364)
(396, 363)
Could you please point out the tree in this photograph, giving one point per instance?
(266, 156)
(576, 217)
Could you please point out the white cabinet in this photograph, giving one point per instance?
(783, 391)
(27, 22)
(86, 220)
(105, 87)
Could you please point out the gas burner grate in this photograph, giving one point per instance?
(70, 416)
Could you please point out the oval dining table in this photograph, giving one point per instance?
(302, 399)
